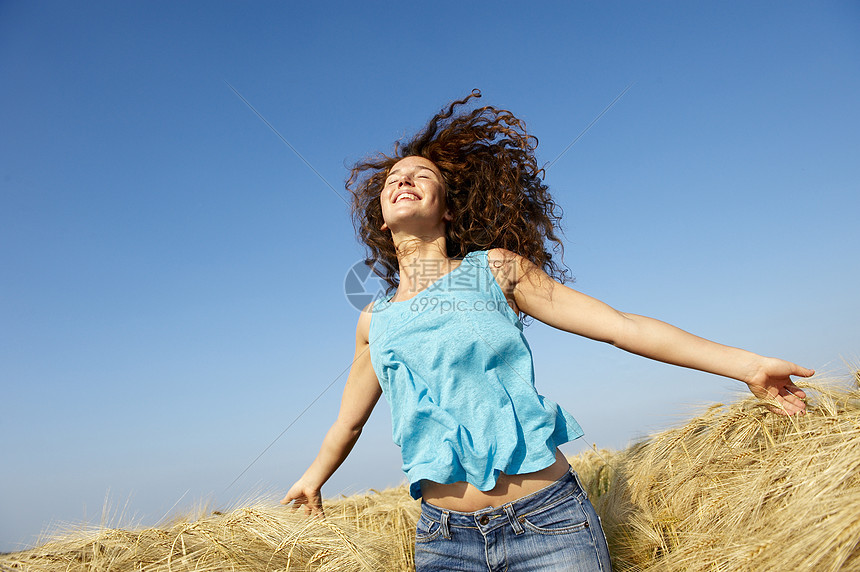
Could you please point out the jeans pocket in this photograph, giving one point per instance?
(427, 529)
(562, 518)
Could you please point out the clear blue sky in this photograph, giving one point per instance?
(171, 273)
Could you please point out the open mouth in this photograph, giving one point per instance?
(406, 196)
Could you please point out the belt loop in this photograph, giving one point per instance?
(512, 517)
(582, 492)
(446, 531)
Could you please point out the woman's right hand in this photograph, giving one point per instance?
(305, 495)
(360, 395)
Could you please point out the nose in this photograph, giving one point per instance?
(404, 178)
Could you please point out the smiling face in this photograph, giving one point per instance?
(414, 196)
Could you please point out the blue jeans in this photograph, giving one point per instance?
(554, 528)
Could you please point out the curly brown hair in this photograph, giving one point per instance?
(494, 189)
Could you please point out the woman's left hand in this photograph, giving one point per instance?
(771, 382)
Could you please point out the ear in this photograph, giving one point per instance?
(384, 226)
(447, 217)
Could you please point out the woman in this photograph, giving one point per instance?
(458, 222)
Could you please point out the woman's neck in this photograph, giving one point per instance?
(420, 264)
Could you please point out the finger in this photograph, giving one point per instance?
(786, 412)
(777, 410)
(799, 393)
(294, 501)
(801, 371)
(316, 511)
(782, 409)
(791, 409)
(791, 403)
(782, 402)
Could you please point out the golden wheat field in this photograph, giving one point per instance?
(736, 488)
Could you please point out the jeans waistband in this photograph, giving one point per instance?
(492, 517)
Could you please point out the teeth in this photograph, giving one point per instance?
(407, 196)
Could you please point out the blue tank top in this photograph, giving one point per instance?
(457, 372)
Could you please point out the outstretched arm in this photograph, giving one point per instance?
(360, 395)
(541, 297)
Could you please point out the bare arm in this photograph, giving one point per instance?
(360, 395)
(541, 297)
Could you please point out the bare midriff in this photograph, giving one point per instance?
(464, 497)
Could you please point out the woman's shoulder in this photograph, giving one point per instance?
(500, 256)
(362, 329)
(505, 262)
(506, 267)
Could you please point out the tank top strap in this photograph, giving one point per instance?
(475, 274)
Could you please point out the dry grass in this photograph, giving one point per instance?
(363, 532)
(737, 488)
